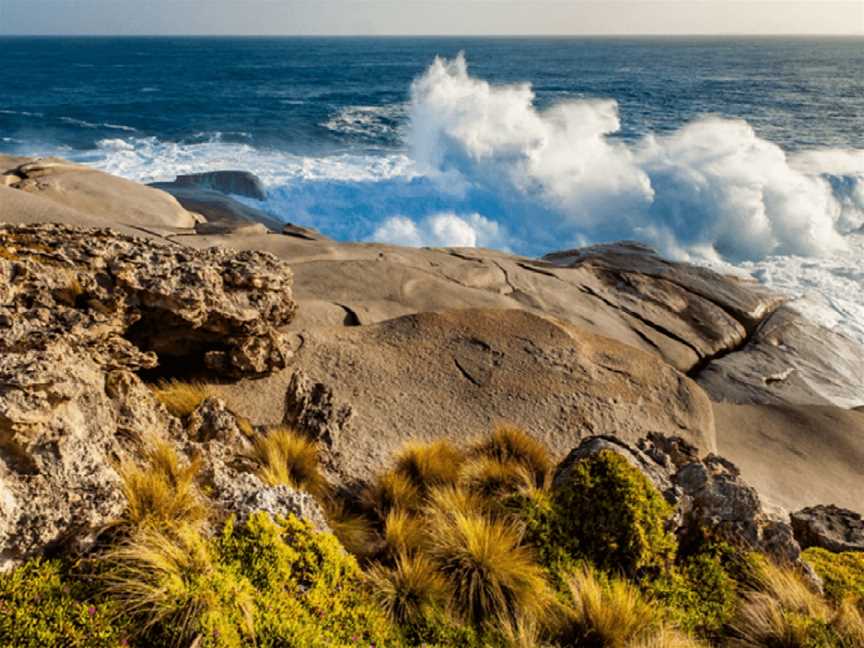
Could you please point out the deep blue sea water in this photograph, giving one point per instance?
(722, 150)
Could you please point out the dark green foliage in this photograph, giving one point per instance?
(42, 605)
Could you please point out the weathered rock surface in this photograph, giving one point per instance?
(789, 360)
(829, 527)
(454, 374)
(239, 183)
(796, 456)
(708, 493)
(109, 199)
(223, 214)
(80, 311)
(127, 300)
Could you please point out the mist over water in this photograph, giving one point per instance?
(747, 156)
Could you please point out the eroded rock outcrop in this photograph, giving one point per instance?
(707, 493)
(127, 300)
(82, 310)
(829, 527)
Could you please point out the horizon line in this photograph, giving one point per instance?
(503, 35)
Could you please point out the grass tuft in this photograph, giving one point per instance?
(511, 445)
(427, 465)
(605, 612)
(490, 477)
(287, 458)
(391, 491)
(162, 490)
(490, 575)
(180, 398)
(174, 587)
(404, 533)
(409, 591)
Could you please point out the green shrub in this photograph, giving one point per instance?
(608, 513)
(699, 593)
(42, 605)
(842, 573)
(310, 592)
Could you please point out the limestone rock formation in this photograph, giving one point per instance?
(829, 527)
(109, 199)
(82, 310)
(453, 374)
(128, 300)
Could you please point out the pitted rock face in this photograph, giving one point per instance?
(82, 310)
(131, 302)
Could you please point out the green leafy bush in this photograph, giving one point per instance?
(310, 592)
(42, 605)
(699, 593)
(842, 573)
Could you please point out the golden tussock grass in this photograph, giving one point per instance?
(512, 445)
(169, 580)
(287, 458)
(404, 533)
(783, 610)
(490, 477)
(427, 465)
(409, 589)
(162, 490)
(353, 530)
(391, 491)
(490, 575)
(180, 398)
(606, 612)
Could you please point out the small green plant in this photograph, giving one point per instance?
(842, 573)
(42, 604)
(286, 457)
(162, 489)
(180, 398)
(608, 513)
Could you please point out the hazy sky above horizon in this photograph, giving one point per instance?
(343, 17)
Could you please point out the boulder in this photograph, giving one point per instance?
(707, 494)
(829, 527)
(109, 199)
(218, 209)
(239, 183)
(454, 374)
(134, 303)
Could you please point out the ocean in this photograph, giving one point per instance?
(744, 154)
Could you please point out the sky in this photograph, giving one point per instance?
(417, 17)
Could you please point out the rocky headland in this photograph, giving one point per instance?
(173, 325)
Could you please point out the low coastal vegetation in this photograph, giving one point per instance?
(477, 545)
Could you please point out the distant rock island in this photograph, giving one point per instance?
(194, 396)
